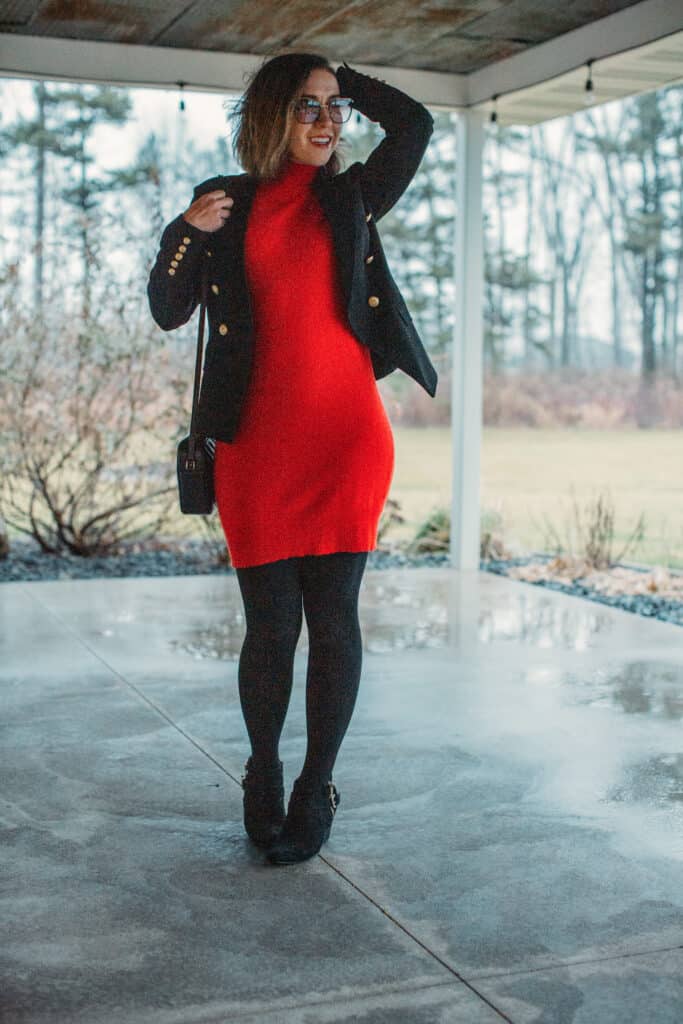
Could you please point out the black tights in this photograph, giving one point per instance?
(273, 594)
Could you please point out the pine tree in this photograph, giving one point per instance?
(77, 112)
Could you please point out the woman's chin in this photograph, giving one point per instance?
(313, 155)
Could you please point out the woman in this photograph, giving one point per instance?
(304, 316)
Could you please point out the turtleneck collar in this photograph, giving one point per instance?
(295, 176)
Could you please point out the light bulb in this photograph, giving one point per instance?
(588, 97)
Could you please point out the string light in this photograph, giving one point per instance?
(588, 91)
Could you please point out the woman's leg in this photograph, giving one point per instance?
(272, 605)
(331, 584)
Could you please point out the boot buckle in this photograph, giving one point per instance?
(333, 796)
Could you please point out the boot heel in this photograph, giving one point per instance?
(263, 802)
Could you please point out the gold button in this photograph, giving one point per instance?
(186, 240)
(369, 259)
(369, 216)
(223, 329)
(209, 253)
(178, 256)
(373, 301)
(171, 271)
(182, 248)
(174, 263)
(215, 289)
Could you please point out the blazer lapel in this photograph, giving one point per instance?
(242, 189)
(229, 243)
(334, 202)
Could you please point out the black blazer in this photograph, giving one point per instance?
(353, 202)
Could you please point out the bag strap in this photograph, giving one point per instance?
(204, 287)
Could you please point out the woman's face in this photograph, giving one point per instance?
(321, 85)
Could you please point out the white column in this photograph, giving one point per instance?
(467, 342)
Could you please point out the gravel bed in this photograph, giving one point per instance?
(651, 606)
(27, 562)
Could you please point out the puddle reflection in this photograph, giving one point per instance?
(543, 624)
(413, 615)
(637, 688)
(219, 640)
(656, 781)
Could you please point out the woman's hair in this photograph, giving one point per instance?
(264, 114)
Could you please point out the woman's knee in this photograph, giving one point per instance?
(275, 630)
(272, 599)
(334, 626)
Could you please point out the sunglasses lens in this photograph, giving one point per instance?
(308, 111)
(340, 112)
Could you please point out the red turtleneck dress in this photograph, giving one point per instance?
(310, 467)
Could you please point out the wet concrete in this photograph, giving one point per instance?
(509, 844)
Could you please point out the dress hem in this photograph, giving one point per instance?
(306, 554)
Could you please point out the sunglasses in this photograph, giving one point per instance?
(308, 110)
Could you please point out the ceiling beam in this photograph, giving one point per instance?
(23, 56)
(77, 60)
(634, 26)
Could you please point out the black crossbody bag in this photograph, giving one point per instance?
(196, 453)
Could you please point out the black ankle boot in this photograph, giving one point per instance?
(264, 802)
(312, 806)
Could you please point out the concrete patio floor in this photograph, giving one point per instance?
(509, 843)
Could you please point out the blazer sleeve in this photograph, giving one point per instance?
(408, 125)
(174, 281)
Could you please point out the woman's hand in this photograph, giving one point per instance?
(210, 211)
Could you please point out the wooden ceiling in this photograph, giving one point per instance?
(448, 36)
(531, 55)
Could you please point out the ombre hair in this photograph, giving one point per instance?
(264, 114)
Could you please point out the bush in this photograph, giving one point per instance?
(589, 535)
(4, 539)
(214, 537)
(409, 405)
(434, 534)
(596, 400)
(86, 408)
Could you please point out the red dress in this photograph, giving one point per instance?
(310, 467)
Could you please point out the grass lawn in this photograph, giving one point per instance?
(528, 476)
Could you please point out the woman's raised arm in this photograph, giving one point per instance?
(392, 165)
